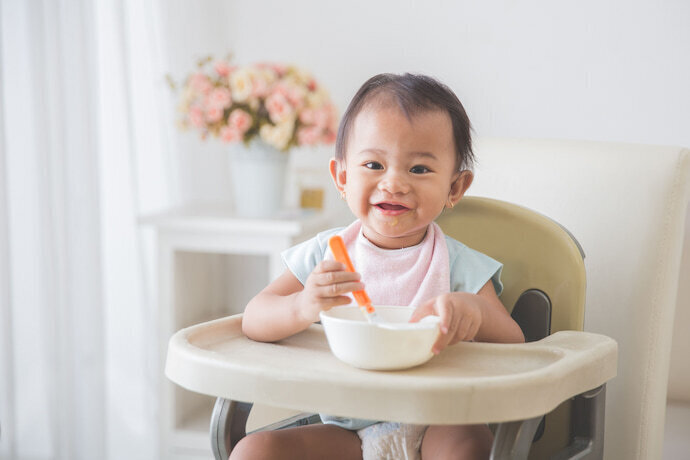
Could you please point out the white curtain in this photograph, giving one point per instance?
(84, 147)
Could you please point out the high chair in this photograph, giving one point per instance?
(561, 373)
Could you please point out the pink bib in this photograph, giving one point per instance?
(407, 276)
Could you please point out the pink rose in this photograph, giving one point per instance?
(307, 116)
(196, 116)
(240, 121)
(222, 68)
(278, 107)
(200, 83)
(220, 97)
(230, 134)
(322, 117)
(308, 135)
(260, 87)
(295, 95)
(279, 69)
(280, 88)
(214, 113)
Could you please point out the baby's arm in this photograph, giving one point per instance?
(285, 307)
(464, 316)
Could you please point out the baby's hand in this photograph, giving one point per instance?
(325, 288)
(460, 315)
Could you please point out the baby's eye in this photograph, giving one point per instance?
(374, 165)
(419, 169)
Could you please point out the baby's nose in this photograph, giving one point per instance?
(394, 182)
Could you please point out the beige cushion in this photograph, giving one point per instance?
(626, 205)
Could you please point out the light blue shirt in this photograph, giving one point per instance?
(470, 270)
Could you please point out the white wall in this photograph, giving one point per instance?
(591, 69)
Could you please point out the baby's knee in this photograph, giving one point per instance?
(256, 446)
(459, 442)
(473, 449)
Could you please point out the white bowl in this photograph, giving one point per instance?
(390, 344)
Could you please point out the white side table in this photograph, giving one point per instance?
(210, 263)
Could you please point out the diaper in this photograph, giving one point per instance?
(391, 441)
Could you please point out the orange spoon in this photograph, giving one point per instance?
(340, 253)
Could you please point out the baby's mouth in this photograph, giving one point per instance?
(391, 208)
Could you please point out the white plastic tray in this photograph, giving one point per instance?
(466, 383)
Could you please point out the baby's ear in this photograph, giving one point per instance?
(463, 180)
(338, 173)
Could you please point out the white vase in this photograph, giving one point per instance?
(258, 173)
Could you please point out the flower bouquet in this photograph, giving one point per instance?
(282, 105)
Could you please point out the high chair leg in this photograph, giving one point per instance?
(513, 440)
(229, 425)
(587, 427)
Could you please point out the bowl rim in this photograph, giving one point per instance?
(412, 326)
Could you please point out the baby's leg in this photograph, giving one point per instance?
(300, 443)
(457, 442)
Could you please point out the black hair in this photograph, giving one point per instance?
(413, 94)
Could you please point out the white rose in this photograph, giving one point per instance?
(302, 77)
(317, 98)
(241, 84)
(279, 135)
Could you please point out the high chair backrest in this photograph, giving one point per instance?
(626, 203)
(537, 254)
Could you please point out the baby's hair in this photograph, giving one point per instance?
(413, 94)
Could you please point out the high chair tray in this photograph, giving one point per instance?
(466, 383)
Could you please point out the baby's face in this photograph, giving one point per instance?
(398, 174)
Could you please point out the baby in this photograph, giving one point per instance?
(403, 155)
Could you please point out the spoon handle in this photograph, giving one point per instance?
(340, 253)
